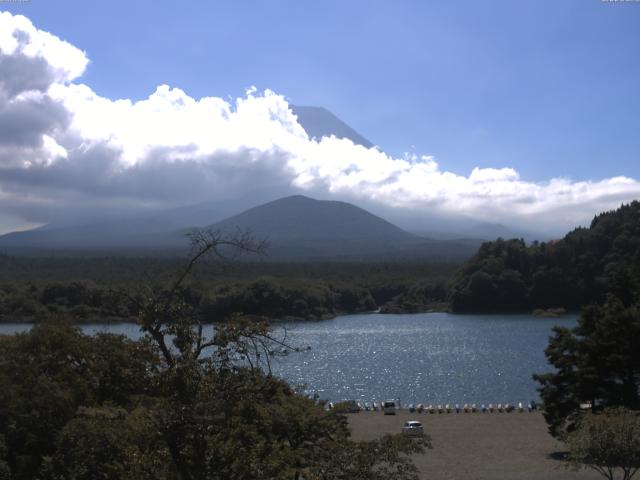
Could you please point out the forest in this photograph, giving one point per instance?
(107, 289)
(575, 271)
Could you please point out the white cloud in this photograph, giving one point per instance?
(170, 119)
(64, 145)
(18, 37)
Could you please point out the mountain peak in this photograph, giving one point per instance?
(296, 198)
(319, 122)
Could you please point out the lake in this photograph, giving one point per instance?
(428, 358)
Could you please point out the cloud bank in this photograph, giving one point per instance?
(65, 149)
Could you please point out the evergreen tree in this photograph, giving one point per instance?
(597, 363)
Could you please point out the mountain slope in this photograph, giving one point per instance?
(299, 227)
(134, 231)
(319, 122)
(298, 216)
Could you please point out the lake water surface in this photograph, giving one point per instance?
(429, 358)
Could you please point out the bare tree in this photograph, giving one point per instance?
(177, 327)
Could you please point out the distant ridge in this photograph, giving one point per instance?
(297, 228)
(319, 122)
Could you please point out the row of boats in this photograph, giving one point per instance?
(354, 406)
(471, 408)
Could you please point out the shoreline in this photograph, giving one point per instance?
(114, 320)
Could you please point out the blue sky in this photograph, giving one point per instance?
(520, 112)
(550, 88)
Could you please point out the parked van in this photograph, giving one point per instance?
(389, 407)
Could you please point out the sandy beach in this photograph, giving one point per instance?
(478, 446)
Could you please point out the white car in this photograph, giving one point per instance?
(412, 427)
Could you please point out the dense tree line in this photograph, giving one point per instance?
(92, 291)
(78, 301)
(279, 298)
(419, 297)
(130, 271)
(578, 270)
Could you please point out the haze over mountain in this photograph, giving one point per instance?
(114, 228)
(296, 228)
(121, 228)
(474, 229)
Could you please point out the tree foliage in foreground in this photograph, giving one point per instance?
(596, 363)
(187, 401)
(607, 442)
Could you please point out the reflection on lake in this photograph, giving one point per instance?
(432, 358)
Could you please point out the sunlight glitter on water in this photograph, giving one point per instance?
(431, 358)
(437, 357)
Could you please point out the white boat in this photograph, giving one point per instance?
(474, 409)
(447, 408)
(420, 408)
(484, 408)
(465, 408)
(500, 407)
(491, 407)
(520, 408)
(439, 408)
(457, 408)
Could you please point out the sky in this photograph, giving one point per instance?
(518, 112)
